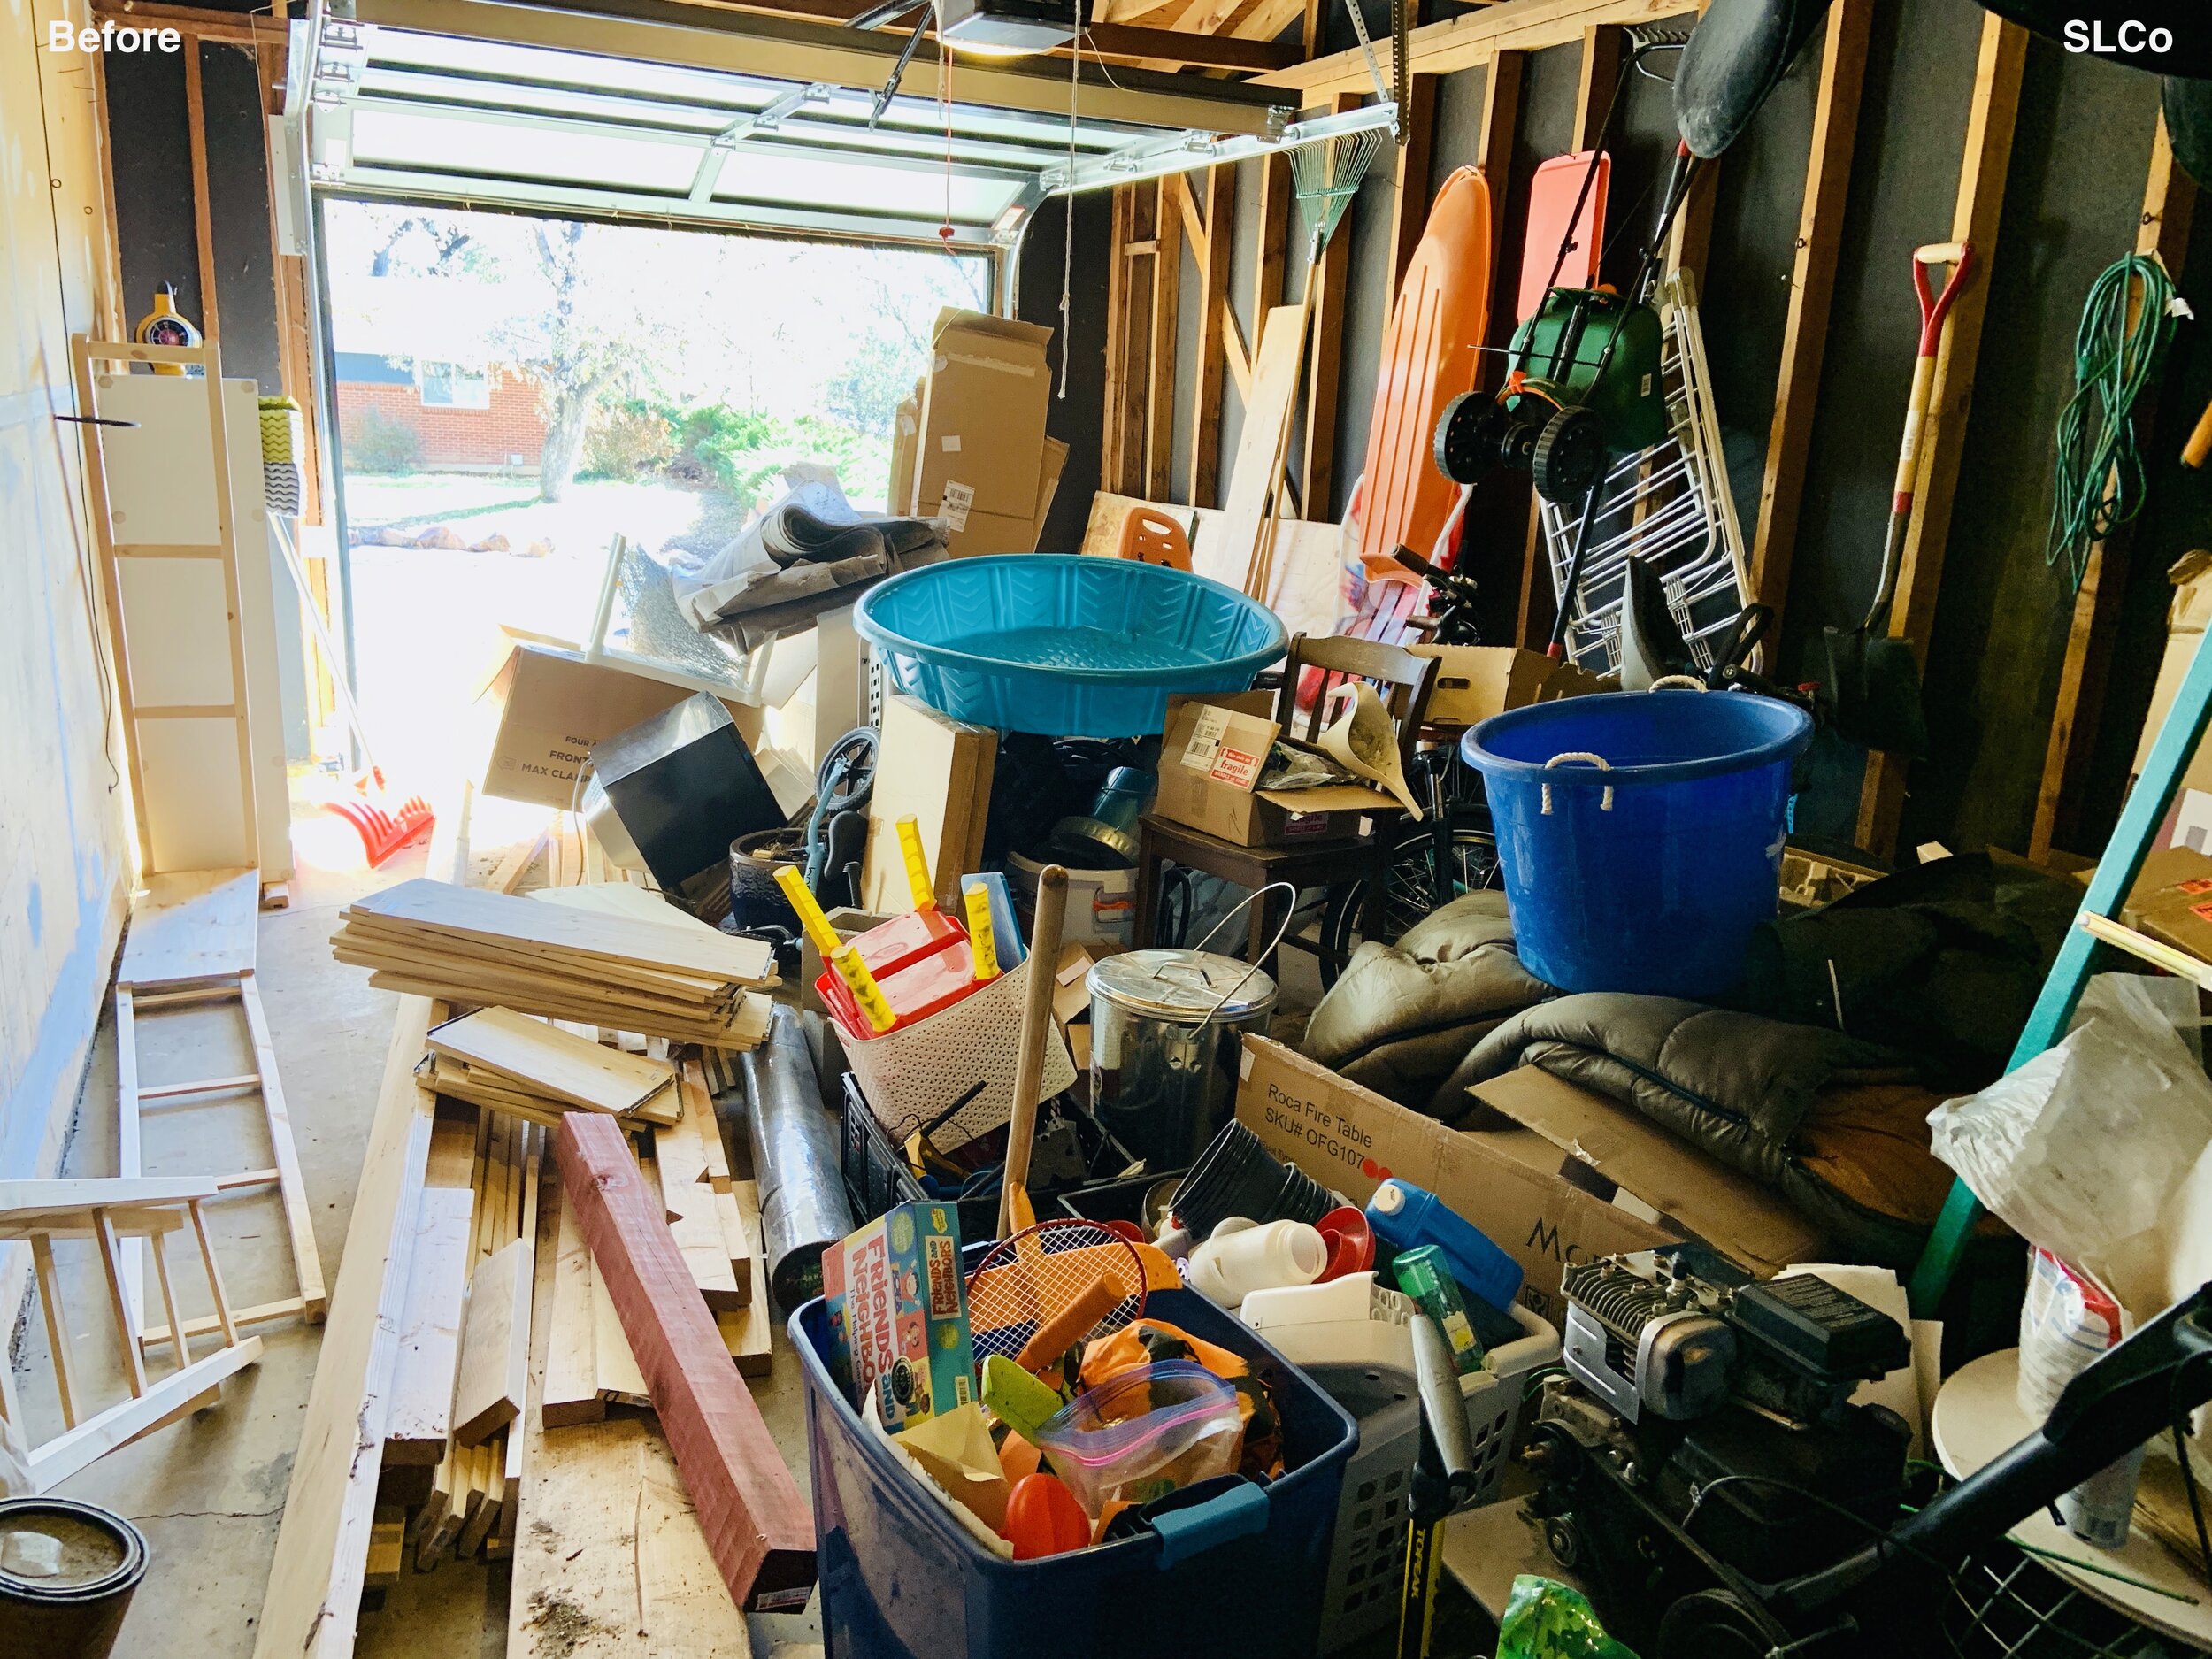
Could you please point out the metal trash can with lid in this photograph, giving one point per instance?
(1167, 1027)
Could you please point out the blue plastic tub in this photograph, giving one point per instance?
(1242, 1573)
(1060, 645)
(1650, 876)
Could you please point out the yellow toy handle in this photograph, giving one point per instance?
(810, 916)
(980, 943)
(865, 991)
(917, 885)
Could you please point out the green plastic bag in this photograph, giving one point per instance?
(1544, 1619)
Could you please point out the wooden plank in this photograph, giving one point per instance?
(1259, 445)
(1603, 45)
(1410, 195)
(938, 770)
(756, 1524)
(66, 1201)
(620, 1382)
(1159, 394)
(488, 1388)
(746, 1028)
(202, 231)
(1274, 240)
(689, 1202)
(1975, 216)
(1213, 250)
(161, 1403)
(1812, 290)
(314, 1590)
(190, 928)
(1473, 38)
(749, 1333)
(58, 1341)
(567, 1378)
(1325, 329)
(622, 898)
(307, 1261)
(129, 1153)
(2168, 205)
(440, 1262)
(388, 1545)
(504, 918)
(551, 1062)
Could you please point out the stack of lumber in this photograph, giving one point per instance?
(442, 1425)
(467, 946)
(471, 1505)
(530, 1069)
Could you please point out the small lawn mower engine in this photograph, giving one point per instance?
(1706, 1415)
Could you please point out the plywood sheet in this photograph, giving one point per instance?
(552, 1062)
(190, 928)
(939, 770)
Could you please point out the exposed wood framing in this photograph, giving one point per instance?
(1975, 216)
(1128, 339)
(1474, 37)
(2169, 203)
(1316, 473)
(1812, 290)
(1603, 45)
(203, 234)
(1409, 192)
(1493, 156)
(1210, 237)
(1167, 290)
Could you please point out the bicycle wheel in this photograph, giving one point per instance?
(1418, 884)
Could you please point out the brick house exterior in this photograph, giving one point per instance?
(488, 422)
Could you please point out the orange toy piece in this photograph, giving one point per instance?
(1153, 537)
(1432, 354)
(1043, 1519)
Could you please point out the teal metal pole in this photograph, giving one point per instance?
(2139, 819)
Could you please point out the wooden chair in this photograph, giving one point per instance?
(1404, 680)
(108, 1211)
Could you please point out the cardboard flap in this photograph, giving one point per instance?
(953, 321)
(1222, 743)
(1728, 1210)
(1332, 797)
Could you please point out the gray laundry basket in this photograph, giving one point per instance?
(1367, 1556)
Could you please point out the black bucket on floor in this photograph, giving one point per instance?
(67, 1570)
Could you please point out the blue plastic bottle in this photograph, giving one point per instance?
(1406, 1217)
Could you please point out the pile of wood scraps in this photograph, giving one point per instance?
(530, 1069)
(622, 972)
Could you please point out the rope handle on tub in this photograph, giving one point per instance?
(1605, 801)
(1690, 682)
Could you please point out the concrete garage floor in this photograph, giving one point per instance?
(209, 1492)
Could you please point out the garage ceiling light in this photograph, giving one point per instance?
(1009, 29)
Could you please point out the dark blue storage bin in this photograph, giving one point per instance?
(1243, 1575)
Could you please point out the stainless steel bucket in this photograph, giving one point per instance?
(1167, 1027)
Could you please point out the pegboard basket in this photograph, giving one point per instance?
(911, 1075)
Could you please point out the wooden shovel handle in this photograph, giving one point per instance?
(1029, 1065)
(2200, 445)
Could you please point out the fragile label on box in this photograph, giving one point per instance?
(1235, 768)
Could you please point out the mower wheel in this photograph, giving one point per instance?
(1470, 437)
(1569, 456)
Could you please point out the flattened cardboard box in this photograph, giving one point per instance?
(545, 707)
(1215, 746)
(1520, 1181)
(1474, 682)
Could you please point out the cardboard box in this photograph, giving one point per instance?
(906, 433)
(1215, 748)
(1476, 681)
(980, 459)
(546, 706)
(2186, 621)
(1521, 1181)
(2171, 901)
(898, 1311)
(1056, 462)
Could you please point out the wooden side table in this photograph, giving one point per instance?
(1161, 842)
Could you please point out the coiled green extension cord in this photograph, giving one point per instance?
(2099, 476)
